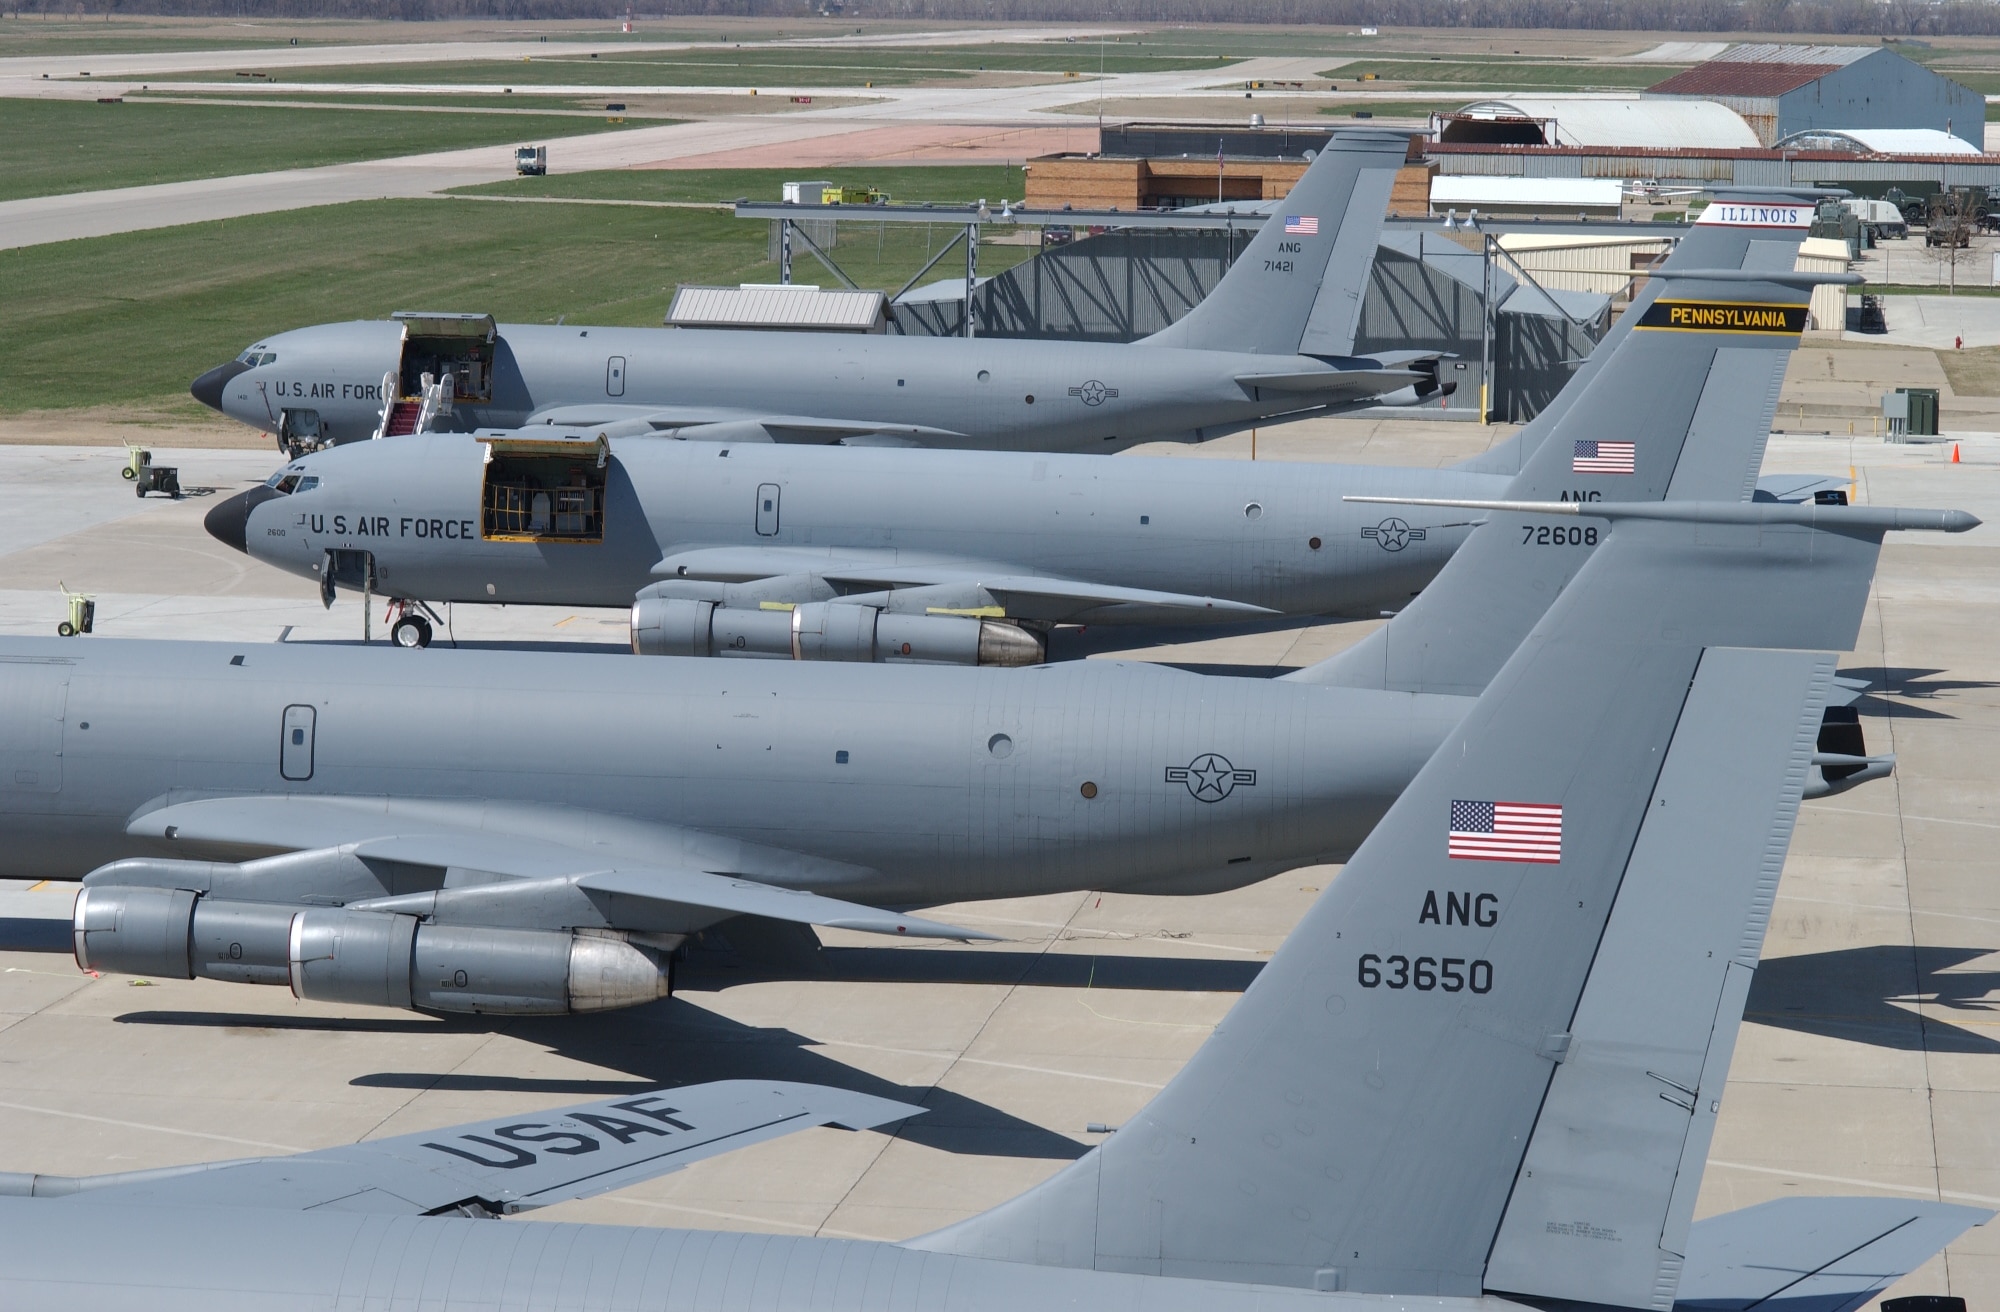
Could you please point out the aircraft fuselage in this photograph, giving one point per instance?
(1269, 534)
(979, 393)
(941, 784)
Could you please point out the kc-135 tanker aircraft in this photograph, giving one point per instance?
(1504, 1109)
(1275, 339)
(951, 557)
(530, 832)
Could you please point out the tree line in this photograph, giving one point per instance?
(1878, 18)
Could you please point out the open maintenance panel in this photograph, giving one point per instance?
(547, 490)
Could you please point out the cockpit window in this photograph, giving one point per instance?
(257, 355)
(308, 483)
(287, 481)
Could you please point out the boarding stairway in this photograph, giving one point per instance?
(402, 415)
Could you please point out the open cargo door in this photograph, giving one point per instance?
(547, 490)
(455, 346)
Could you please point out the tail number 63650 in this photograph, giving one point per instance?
(1452, 974)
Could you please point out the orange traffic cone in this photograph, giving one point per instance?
(1954, 453)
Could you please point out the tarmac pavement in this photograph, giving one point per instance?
(1870, 1063)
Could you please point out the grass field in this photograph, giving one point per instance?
(1972, 373)
(1392, 108)
(129, 320)
(32, 36)
(415, 100)
(749, 64)
(1504, 74)
(49, 34)
(56, 146)
(912, 184)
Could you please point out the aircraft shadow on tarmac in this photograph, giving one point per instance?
(1909, 685)
(1865, 995)
(678, 1041)
(667, 1044)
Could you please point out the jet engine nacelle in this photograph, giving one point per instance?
(826, 631)
(332, 954)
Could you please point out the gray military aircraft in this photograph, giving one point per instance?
(510, 831)
(1481, 1076)
(728, 549)
(1275, 339)
(955, 557)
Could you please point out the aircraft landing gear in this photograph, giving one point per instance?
(410, 623)
(411, 631)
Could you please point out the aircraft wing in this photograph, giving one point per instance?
(654, 891)
(1029, 595)
(492, 1168)
(714, 424)
(1020, 592)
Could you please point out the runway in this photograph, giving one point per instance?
(939, 115)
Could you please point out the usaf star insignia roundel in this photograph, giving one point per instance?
(1210, 778)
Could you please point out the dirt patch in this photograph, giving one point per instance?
(117, 425)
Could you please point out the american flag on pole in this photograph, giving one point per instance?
(1506, 831)
(1603, 457)
(1302, 225)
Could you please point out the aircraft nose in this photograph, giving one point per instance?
(207, 389)
(229, 521)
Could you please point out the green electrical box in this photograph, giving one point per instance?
(1923, 410)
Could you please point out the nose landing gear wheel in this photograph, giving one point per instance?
(411, 631)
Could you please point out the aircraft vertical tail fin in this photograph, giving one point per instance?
(1305, 272)
(1743, 230)
(1675, 405)
(1359, 1120)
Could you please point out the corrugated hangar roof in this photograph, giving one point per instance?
(774, 305)
(1880, 141)
(1760, 70)
(1603, 121)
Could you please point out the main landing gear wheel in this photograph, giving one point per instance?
(411, 631)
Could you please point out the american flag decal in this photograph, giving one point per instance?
(1603, 457)
(1506, 831)
(1301, 225)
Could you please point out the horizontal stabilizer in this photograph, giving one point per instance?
(1336, 382)
(492, 1168)
(1858, 519)
(1814, 1254)
(1786, 277)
